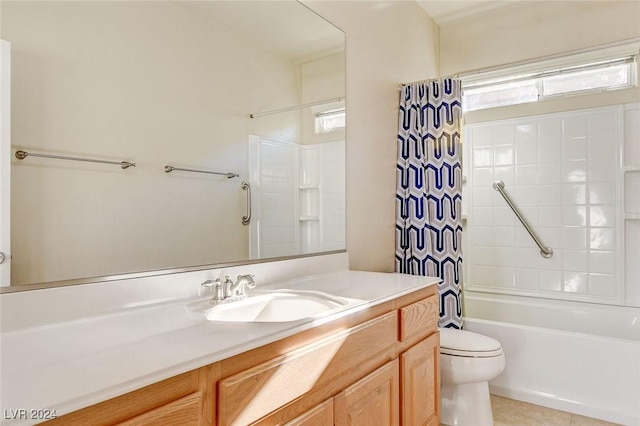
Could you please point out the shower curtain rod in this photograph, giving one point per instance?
(292, 108)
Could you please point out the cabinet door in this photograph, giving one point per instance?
(320, 415)
(420, 376)
(374, 400)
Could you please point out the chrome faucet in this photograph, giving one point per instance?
(237, 289)
(227, 290)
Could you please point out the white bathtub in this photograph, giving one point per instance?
(571, 356)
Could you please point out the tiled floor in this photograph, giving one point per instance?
(508, 412)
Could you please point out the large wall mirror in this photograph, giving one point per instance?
(251, 90)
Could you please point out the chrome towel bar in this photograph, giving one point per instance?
(169, 169)
(21, 155)
(545, 251)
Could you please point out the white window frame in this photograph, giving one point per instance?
(540, 70)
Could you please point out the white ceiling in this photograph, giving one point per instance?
(444, 11)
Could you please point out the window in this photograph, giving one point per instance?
(330, 121)
(603, 77)
(499, 94)
(598, 76)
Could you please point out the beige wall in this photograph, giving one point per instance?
(388, 43)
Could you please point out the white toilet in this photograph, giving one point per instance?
(467, 362)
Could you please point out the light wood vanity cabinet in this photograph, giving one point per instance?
(375, 366)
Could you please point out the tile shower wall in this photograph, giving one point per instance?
(563, 171)
(631, 169)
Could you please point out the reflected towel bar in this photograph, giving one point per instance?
(169, 169)
(21, 155)
(545, 251)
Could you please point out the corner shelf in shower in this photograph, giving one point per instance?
(308, 218)
(632, 192)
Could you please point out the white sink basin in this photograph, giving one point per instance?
(274, 306)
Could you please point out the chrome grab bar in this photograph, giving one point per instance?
(247, 219)
(545, 251)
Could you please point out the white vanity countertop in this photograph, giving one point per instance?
(71, 365)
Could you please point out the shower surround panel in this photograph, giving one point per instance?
(564, 173)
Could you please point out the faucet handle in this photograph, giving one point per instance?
(211, 283)
(216, 289)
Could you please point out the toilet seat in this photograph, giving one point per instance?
(468, 344)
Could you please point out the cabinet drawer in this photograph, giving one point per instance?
(419, 319)
(185, 411)
(320, 415)
(251, 394)
(127, 406)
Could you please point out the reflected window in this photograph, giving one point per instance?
(330, 121)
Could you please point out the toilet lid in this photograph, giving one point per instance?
(466, 343)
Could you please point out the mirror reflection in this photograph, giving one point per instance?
(253, 91)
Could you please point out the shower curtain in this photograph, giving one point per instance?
(429, 186)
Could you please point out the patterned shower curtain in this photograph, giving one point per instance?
(429, 184)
